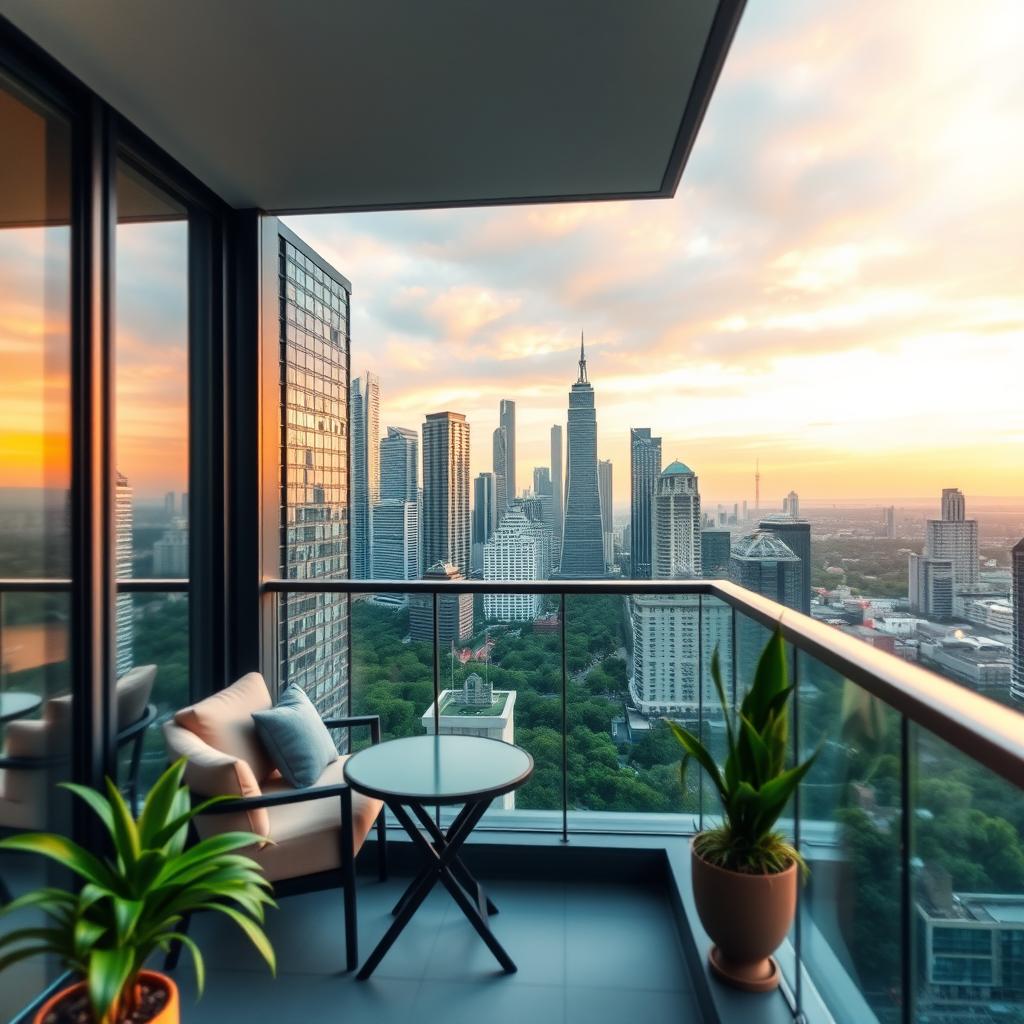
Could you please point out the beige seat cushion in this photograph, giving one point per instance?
(211, 772)
(306, 837)
(23, 791)
(224, 721)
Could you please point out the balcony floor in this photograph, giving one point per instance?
(586, 953)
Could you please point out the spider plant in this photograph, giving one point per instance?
(131, 902)
(754, 784)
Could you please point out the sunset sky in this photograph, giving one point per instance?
(837, 289)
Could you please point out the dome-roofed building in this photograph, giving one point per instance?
(764, 563)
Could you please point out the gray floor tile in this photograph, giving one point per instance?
(504, 999)
(614, 1005)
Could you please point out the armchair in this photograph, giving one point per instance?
(314, 834)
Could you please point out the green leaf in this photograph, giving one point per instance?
(770, 678)
(695, 749)
(48, 899)
(110, 970)
(197, 959)
(64, 851)
(126, 833)
(159, 804)
(252, 930)
(99, 806)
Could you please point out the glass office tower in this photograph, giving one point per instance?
(314, 473)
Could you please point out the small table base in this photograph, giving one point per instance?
(440, 850)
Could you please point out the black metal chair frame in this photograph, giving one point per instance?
(344, 875)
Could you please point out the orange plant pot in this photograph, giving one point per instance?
(168, 1015)
(747, 917)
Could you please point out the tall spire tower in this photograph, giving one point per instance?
(582, 532)
(583, 363)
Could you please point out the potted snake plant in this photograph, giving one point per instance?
(129, 904)
(744, 870)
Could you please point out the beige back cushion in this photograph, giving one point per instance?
(224, 722)
(211, 772)
(133, 692)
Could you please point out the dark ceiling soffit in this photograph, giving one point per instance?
(14, 43)
(716, 49)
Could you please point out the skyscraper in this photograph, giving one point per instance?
(485, 518)
(507, 420)
(715, 551)
(955, 538)
(604, 468)
(791, 504)
(542, 493)
(518, 550)
(1017, 574)
(124, 550)
(364, 424)
(499, 464)
(446, 521)
(582, 534)
(796, 535)
(676, 535)
(676, 635)
(399, 464)
(954, 506)
(931, 586)
(396, 553)
(644, 468)
(315, 511)
(557, 493)
(765, 564)
(890, 521)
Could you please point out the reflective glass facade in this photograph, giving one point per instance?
(314, 475)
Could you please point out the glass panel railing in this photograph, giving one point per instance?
(967, 888)
(850, 936)
(153, 670)
(35, 745)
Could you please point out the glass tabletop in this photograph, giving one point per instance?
(15, 704)
(438, 769)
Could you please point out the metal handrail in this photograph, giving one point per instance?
(126, 586)
(984, 730)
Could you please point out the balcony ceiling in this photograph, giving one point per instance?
(312, 105)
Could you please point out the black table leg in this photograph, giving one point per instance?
(441, 856)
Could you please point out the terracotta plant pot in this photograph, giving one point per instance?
(168, 1015)
(747, 917)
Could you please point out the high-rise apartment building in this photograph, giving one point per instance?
(399, 465)
(364, 425)
(485, 518)
(675, 636)
(454, 611)
(604, 477)
(956, 538)
(791, 504)
(676, 534)
(715, 552)
(518, 550)
(124, 553)
(507, 422)
(762, 562)
(499, 465)
(1017, 599)
(795, 533)
(644, 469)
(889, 518)
(931, 586)
(582, 536)
(446, 520)
(314, 479)
(557, 494)
(170, 552)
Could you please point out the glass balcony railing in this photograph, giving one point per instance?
(911, 819)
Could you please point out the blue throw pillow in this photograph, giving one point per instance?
(296, 738)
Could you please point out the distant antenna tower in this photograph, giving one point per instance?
(757, 486)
